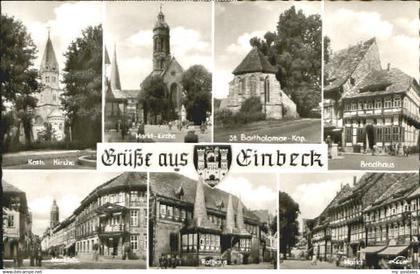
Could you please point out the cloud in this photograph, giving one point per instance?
(143, 38)
(253, 196)
(410, 26)
(314, 197)
(185, 40)
(242, 44)
(221, 81)
(360, 24)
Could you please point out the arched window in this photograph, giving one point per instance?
(267, 90)
(243, 85)
(253, 84)
(174, 94)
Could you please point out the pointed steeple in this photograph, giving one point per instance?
(200, 210)
(115, 74)
(49, 61)
(230, 216)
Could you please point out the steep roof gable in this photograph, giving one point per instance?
(254, 61)
(344, 62)
(49, 61)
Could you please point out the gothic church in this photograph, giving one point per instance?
(48, 110)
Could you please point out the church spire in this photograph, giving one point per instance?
(115, 74)
(49, 61)
(54, 214)
(161, 43)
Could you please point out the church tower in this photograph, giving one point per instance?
(54, 215)
(49, 66)
(161, 44)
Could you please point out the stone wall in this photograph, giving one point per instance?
(276, 104)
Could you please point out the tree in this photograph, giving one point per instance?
(154, 98)
(82, 99)
(18, 80)
(196, 82)
(296, 50)
(289, 226)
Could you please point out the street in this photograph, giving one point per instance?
(291, 131)
(238, 266)
(156, 133)
(76, 264)
(47, 159)
(300, 264)
(378, 162)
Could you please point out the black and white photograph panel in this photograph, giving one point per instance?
(158, 71)
(267, 82)
(371, 90)
(51, 84)
(231, 226)
(356, 220)
(82, 220)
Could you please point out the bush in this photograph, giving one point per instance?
(251, 105)
(223, 117)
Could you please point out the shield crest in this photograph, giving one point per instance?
(212, 162)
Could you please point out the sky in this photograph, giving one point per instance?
(66, 21)
(395, 24)
(314, 191)
(236, 23)
(129, 26)
(256, 190)
(68, 188)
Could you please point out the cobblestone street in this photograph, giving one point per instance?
(298, 264)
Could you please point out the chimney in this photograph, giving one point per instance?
(388, 68)
(230, 216)
(354, 180)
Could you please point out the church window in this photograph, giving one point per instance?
(174, 94)
(243, 85)
(253, 84)
(267, 90)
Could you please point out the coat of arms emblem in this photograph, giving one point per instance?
(212, 162)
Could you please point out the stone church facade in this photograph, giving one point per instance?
(255, 77)
(123, 104)
(48, 108)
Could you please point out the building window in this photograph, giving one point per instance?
(11, 221)
(47, 79)
(388, 102)
(163, 211)
(378, 103)
(253, 84)
(169, 212)
(134, 242)
(397, 101)
(134, 217)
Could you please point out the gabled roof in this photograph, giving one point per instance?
(126, 180)
(167, 184)
(255, 61)
(49, 61)
(382, 82)
(8, 188)
(344, 62)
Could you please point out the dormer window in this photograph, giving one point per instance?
(352, 81)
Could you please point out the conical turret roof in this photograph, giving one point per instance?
(49, 61)
(115, 73)
(255, 61)
(230, 217)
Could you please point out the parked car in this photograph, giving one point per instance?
(399, 262)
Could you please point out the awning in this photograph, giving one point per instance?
(373, 249)
(393, 250)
